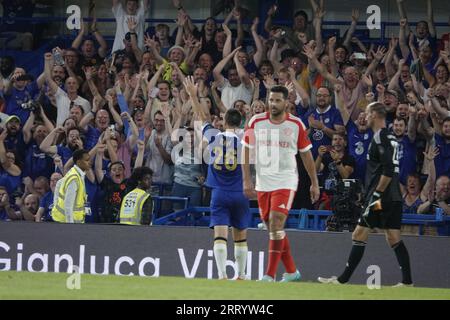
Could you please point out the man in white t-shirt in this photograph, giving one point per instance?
(64, 99)
(276, 137)
(238, 86)
(133, 9)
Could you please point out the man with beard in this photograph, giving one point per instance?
(46, 202)
(238, 86)
(407, 151)
(440, 198)
(324, 121)
(442, 161)
(383, 200)
(277, 181)
(64, 98)
(101, 123)
(37, 163)
(73, 143)
(15, 139)
(114, 187)
(27, 209)
(391, 99)
(159, 148)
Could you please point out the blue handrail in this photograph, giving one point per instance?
(313, 220)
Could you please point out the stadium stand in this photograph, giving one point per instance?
(135, 93)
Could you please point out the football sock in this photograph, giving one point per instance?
(403, 259)
(355, 257)
(275, 251)
(220, 255)
(286, 257)
(240, 255)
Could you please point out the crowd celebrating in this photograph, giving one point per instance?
(127, 104)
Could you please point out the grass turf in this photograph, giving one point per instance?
(24, 285)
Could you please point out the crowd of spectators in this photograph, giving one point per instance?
(125, 104)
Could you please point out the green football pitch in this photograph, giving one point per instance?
(24, 285)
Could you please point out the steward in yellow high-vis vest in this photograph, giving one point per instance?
(70, 195)
(137, 205)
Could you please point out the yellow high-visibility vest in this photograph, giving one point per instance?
(58, 211)
(132, 204)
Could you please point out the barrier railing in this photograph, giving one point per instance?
(312, 220)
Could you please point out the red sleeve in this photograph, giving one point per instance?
(303, 142)
(249, 136)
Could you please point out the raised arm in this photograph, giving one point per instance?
(402, 39)
(257, 57)
(48, 73)
(402, 13)
(430, 18)
(299, 89)
(133, 127)
(9, 167)
(381, 52)
(99, 163)
(240, 28)
(268, 23)
(412, 124)
(151, 44)
(91, 115)
(47, 146)
(103, 49)
(317, 23)
(26, 130)
(227, 48)
(139, 162)
(217, 72)
(132, 24)
(243, 74)
(340, 104)
(351, 31)
(198, 108)
(436, 106)
(79, 39)
(431, 180)
(321, 68)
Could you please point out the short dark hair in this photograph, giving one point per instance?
(74, 128)
(447, 119)
(140, 172)
(301, 13)
(281, 89)
(137, 175)
(402, 119)
(378, 108)
(233, 118)
(78, 155)
(158, 113)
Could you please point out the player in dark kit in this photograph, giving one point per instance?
(383, 199)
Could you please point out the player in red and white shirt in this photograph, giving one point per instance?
(276, 137)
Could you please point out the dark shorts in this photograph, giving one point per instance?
(230, 209)
(388, 218)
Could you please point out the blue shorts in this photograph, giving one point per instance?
(229, 209)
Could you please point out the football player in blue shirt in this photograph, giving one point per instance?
(229, 206)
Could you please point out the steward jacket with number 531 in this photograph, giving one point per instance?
(382, 160)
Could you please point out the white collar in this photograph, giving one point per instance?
(328, 109)
(81, 172)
